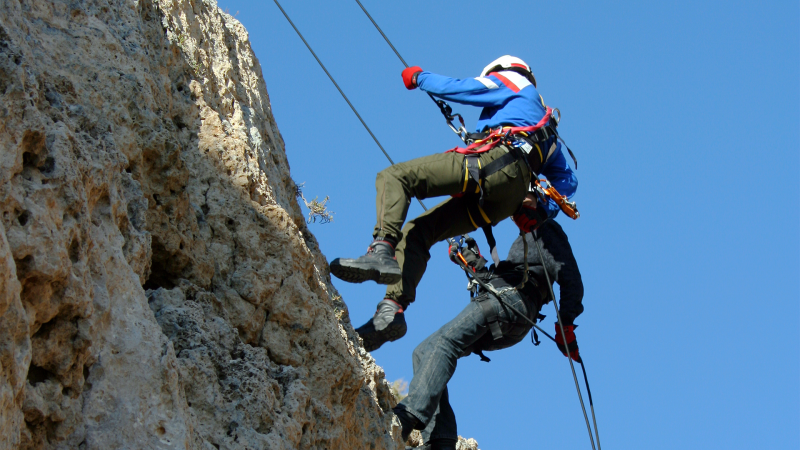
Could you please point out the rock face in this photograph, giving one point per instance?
(159, 287)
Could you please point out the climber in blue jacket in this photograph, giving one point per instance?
(508, 98)
(488, 181)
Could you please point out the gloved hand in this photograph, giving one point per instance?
(571, 343)
(529, 217)
(471, 254)
(410, 76)
(452, 251)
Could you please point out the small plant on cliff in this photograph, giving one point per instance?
(399, 389)
(182, 41)
(317, 210)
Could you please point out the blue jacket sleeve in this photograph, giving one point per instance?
(468, 91)
(561, 176)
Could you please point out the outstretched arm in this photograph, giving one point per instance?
(481, 91)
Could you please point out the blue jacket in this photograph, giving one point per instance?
(507, 98)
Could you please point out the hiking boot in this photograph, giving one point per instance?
(440, 444)
(408, 422)
(379, 265)
(388, 324)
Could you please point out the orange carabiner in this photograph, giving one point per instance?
(464, 261)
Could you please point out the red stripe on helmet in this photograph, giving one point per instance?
(521, 66)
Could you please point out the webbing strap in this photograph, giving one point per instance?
(477, 215)
(487, 231)
(484, 358)
(495, 166)
(574, 159)
(472, 175)
(490, 316)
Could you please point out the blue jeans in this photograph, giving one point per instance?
(435, 358)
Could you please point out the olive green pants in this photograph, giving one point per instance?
(433, 176)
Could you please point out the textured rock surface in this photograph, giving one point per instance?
(159, 287)
(415, 441)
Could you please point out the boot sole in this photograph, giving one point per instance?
(359, 274)
(393, 332)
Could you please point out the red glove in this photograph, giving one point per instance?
(529, 219)
(572, 343)
(410, 77)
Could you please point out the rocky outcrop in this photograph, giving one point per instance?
(159, 287)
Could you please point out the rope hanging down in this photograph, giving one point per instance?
(445, 109)
(340, 91)
(488, 288)
(571, 365)
(462, 133)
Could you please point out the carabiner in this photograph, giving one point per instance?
(557, 119)
(569, 208)
(462, 131)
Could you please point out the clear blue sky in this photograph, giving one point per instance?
(684, 116)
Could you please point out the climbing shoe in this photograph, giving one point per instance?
(379, 265)
(388, 324)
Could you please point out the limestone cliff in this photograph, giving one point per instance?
(159, 287)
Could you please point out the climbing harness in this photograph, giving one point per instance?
(478, 146)
(502, 134)
(462, 262)
(526, 138)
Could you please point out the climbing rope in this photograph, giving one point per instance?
(334, 83)
(445, 109)
(462, 262)
(443, 106)
(571, 365)
(340, 91)
(462, 133)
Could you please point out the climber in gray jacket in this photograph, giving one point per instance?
(486, 324)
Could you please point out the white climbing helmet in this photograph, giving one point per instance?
(509, 62)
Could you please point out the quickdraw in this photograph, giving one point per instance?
(545, 190)
(447, 112)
